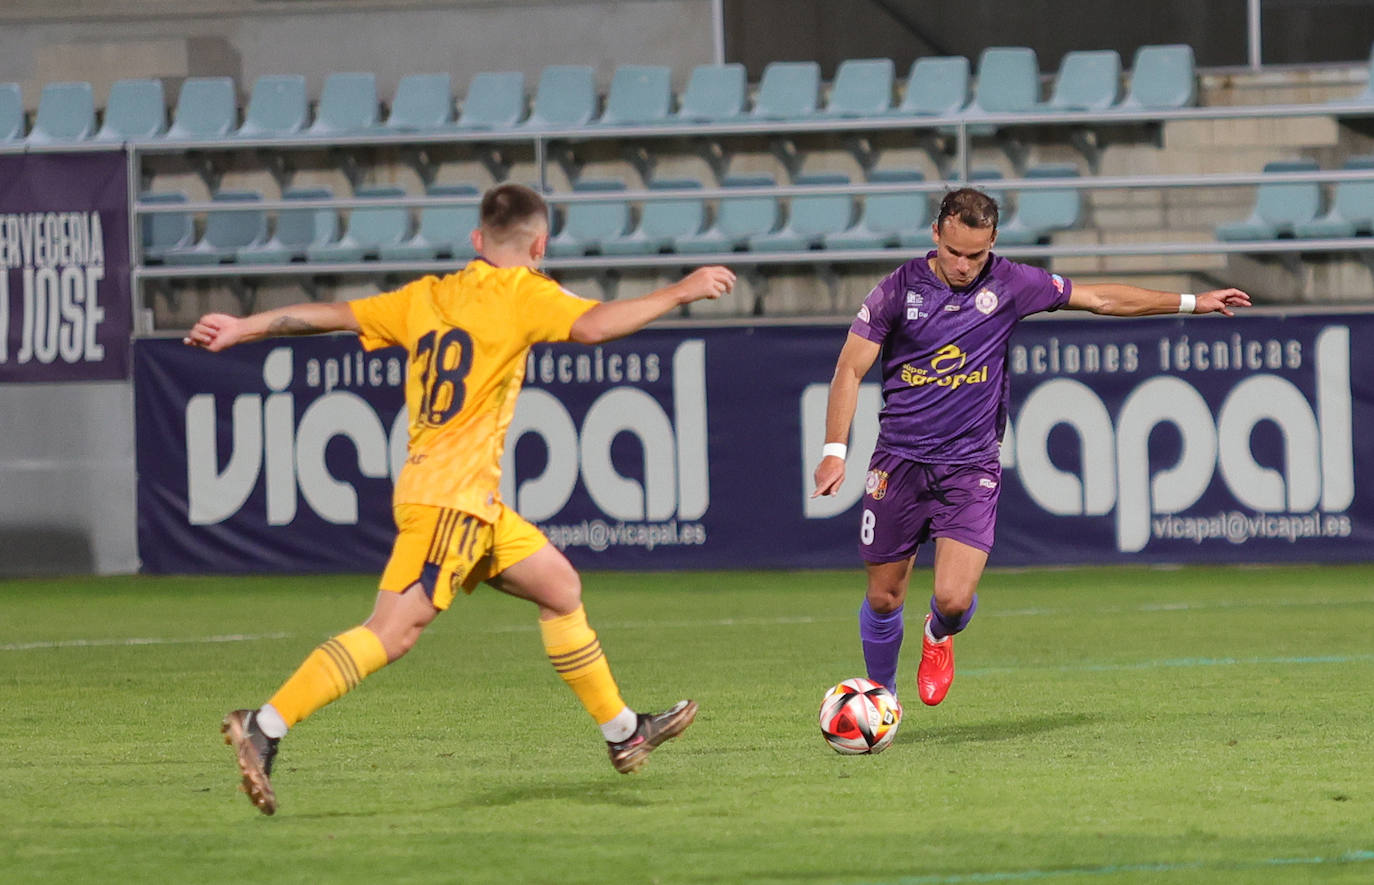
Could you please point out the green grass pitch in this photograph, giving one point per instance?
(1123, 725)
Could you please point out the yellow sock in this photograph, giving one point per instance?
(331, 671)
(576, 654)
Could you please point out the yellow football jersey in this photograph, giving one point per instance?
(467, 336)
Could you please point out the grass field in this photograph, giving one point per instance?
(1107, 726)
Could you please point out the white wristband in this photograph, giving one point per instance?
(1186, 302)
(839, 450)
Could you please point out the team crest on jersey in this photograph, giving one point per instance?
(1058, 282)
(863, 312)
(875, 486)
(985, 301)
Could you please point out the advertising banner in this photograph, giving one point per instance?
(1161, 440)
(65, 312)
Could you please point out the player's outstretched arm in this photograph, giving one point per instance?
(1121, 300)
(616, 319)
(856, 357)
(217, 331)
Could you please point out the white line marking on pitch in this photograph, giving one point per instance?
(138, 640)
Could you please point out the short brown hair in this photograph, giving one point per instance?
(971, 206)
(509, 207)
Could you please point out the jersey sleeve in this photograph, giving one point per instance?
(1039, 290)
(876, 314)
(382, 319)
(549, 309)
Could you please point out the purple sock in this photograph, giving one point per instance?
(942, 625)
(882, 642)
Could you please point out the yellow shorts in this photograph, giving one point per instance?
(444, 550)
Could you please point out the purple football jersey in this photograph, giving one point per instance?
(944, 354)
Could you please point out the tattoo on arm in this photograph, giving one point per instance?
(289, 325)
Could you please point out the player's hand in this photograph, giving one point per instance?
(215, 332)
(829, 476)
(1221, 301)
(708, 282)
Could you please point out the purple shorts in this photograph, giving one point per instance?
(906, 503)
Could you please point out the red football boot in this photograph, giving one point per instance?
(936, 671)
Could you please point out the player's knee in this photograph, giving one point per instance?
(886, 598)
(953, 601)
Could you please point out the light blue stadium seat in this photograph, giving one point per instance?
(862, 88)
(1162, 77)
(809, 218)
(11, 112)
(1087, 81)
(1278, 206)
(1040, 213)
(564, 99)
(788, 90)
(737, 218)
(444, 231)
(369, 228)
(1352, 209)
(165, 231)
(225, 232)
(639, 94)
(423, 102)
(886, 218)
(66, 113)
(296, 230)
(714, 94)
(1008, 81)
(586, 226)
(348, 104)
(662, 222)
(937, 86)
(495, 100)
(136, 109)
(1367, 95)
(206, 109)
(276, 108)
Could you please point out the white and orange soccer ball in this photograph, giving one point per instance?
(859, 716)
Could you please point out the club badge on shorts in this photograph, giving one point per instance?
(875, 485)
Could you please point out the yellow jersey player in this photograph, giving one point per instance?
(467, 335)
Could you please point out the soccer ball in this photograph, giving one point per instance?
(859, 716)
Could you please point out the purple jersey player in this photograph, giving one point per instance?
(940, 324)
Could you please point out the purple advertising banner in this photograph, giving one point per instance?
(65, 313)
(1161, 440)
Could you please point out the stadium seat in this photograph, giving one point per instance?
(662, 222)
(444, 231)
(1162, 77)
(1367, 96)
(11, 112)
(225, 232)
(1087, 81)
(1008, 81)
(809, 217)
(206, 109)
(136, 109)
(1352, 209)
(714, 94)
(423, 102)
(586, 226)
(862, 88)
(1042, 212)
(886, 218)
(164, 231)
(937, 86)
(296, 230)
(495, 100)
(277, 107)
(66, 113)
(564, 99)
(737, 218)
(788, 90)
(1278, 206)
(369, 228)
(639, 94)
(348, 104)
